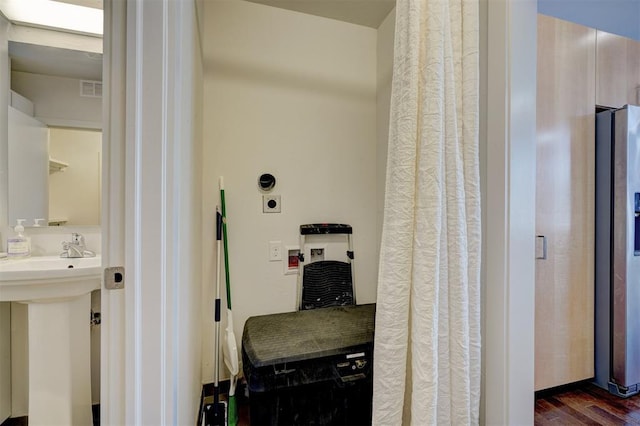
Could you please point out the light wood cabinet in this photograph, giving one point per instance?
(564, 330)
(617, 70)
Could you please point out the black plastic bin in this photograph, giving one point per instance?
(310, 367)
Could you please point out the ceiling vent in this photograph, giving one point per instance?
(90, 89)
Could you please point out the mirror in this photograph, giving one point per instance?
(57, 80)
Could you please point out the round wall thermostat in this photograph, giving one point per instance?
(266, 182)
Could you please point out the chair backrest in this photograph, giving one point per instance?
(327, 283)
(324, 283)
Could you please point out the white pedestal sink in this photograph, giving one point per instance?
(57, 291)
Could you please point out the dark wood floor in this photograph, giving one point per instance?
(586, 404)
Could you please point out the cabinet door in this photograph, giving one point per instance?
(565, 202)
(28, 169)
(617, 70)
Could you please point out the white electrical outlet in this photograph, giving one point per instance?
(271, 204)
(275, 251)
(316, 254)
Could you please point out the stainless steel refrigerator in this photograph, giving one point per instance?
(617, 251)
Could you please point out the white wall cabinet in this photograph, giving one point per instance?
(28, 168)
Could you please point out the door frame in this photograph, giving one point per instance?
(151, 213)
(507, 140)
(509, 157)
(113, 326)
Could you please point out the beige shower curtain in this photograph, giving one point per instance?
(427, 344)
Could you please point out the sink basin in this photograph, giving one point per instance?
(48, 277)
(58, 294)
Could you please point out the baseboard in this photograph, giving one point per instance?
(24, 420)
(16, 421)
(543, 393)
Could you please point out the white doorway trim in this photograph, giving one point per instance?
(509, 211)
(509, 144)
(112, 347)
(151, 328)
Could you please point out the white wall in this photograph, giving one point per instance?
(19, 360)
(293, 95)
(74, 193)
(57, 100)
(5, 335)
(384, 57)
(5, 82)
(5, 360)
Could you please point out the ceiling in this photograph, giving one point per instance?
(96, 4)
(54, 61)
(28, 57)
(49, 51)
(369, 13)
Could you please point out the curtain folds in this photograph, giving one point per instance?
(427, 347)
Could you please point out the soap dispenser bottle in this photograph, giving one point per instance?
(18, 245)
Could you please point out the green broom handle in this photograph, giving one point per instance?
(224, 242)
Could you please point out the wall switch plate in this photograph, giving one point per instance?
(275, 251)
(271, 204)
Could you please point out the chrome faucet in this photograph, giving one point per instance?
(76, 247)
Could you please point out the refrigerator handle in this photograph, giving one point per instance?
(636, 228)
(541, 247)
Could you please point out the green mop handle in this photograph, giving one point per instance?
(224, 242)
